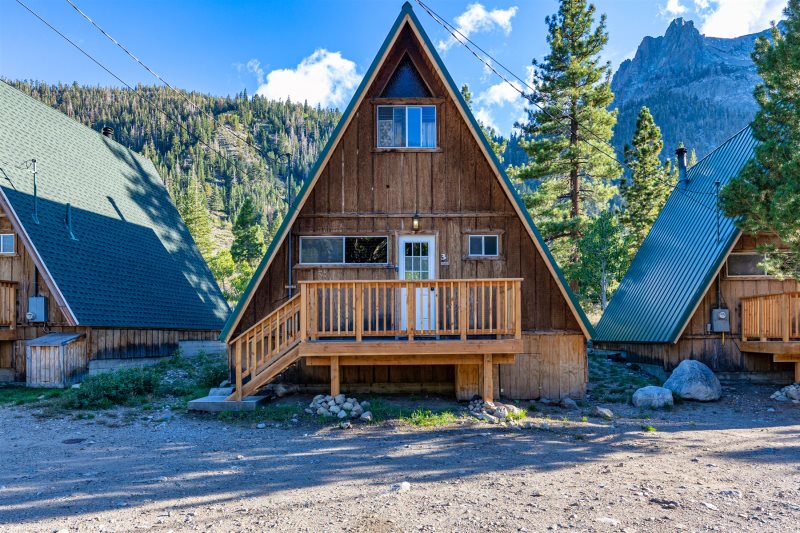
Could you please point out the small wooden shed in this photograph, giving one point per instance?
(56, 360)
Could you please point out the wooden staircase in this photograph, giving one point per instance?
(267, 348)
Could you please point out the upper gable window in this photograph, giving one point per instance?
(401, 126)
(7, 244)
(746, 264)
(406, 82)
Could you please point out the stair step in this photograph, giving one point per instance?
(216, 404)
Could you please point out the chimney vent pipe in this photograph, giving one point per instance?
(680, 154)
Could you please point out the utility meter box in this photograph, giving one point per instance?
(37, 309)
(720, 321)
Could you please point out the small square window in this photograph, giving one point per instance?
(484, 245)
(7, 244)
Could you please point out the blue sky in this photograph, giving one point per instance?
(317, 51)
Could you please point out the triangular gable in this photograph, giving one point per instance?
(681, 255)
(406, 81)
(407, 17)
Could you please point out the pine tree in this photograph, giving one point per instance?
(765, 196)
(571, 126)
(650, 182)
(191, 204)
(248, 237)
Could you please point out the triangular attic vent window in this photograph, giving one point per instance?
(406, 82)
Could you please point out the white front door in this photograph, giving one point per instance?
(417, 254)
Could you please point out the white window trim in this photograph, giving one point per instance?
(482, 237)
(343, 238)
(406, 107)
(744, 276)
(14, 245)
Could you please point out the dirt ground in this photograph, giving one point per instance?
(733, 465)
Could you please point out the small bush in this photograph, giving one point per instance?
(123, 387)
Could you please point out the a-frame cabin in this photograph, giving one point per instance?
(695, 289)
(408, 262)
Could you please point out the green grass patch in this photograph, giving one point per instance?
(649, 429)
(518, 415)
(428, 418)
(611, 382)
(14, 395)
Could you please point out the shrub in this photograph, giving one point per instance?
(123, 387)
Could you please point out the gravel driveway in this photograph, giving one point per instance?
(729, 466)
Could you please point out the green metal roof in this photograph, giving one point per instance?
(680, 256)
(406, 10)
(133, 263)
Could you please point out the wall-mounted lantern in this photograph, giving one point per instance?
(415, 222)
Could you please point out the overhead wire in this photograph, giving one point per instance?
(235, 163)
(466, 42)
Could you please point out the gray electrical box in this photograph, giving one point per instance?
(720, 321)
(37, 309)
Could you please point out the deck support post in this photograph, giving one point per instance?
(238, 357)
(488, 381)
(335, 375)
(797, 372)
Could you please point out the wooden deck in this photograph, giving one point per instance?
(340, 323)
(771, 325)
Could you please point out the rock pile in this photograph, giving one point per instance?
(494, 413)
(339, 406)
(790, 393)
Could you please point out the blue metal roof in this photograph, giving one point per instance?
(280, 234)
(678, 260)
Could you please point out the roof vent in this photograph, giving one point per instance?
(108, 132)
(680, 154)
(68, 222)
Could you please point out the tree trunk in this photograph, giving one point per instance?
(574, 171)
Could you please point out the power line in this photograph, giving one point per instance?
(165, 82)
(464, 40)
(126, 84)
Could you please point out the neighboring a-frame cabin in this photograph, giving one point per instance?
(695, 289)
(408, 262)
(95, 261)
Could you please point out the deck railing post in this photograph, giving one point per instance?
(358, 293)
(411, 310)
(517, 309)
(13, 304)
(463, 309)
(238, 356)
(303, 312)
(762, 328)
(785, 317)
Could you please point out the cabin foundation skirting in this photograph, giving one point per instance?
(552, 365)
(708, 349)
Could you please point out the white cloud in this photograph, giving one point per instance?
(254, 66)
(484, 116)
(731, 18)
(500, 94)
(477, 19)
(325, 78)
(674, 8)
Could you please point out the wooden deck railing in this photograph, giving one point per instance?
(771, 317)
(398, 311)
(264, 342)
(409, 309)
(8, 304)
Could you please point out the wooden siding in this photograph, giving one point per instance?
(697, 343)
(101, 343)
(363, 191)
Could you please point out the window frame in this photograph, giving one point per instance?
(728, 274)
(483, 254)
(344, 262)
(13, 244)
(406, 107)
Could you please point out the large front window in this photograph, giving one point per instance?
(401, 126)
(344, 250)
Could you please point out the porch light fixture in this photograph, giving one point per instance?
(415, 222)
